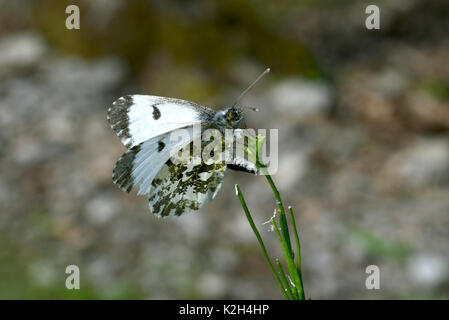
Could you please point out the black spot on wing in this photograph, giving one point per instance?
(160, 146)
(156, 113)
(118, 116)
(122, 173)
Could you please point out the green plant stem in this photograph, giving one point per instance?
(259, 239)
(285, 239)
(282, 218)
(294, 288)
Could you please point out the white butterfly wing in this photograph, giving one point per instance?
(140, 164)
(137, 118)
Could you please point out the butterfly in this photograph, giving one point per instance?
(146, 124)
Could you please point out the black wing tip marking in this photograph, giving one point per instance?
(118, 116)
(122, 172)
(119, 109)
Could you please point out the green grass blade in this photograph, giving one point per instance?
(298, 248)
(284, 278)
(298, 245)
(293, 272)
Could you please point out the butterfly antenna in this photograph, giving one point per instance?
(250, 86)
(251, 108)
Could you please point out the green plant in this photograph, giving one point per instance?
(292, 288)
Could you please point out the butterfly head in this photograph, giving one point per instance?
(231, 118)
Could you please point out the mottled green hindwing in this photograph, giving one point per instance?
(185, 186)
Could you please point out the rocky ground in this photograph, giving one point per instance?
(363, 160)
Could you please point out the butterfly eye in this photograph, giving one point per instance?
(232, 115)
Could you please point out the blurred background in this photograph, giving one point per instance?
(363, 119)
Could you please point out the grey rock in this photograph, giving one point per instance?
(300, 98)
(20, 50)
(102, 208)
(426, 162)
(427, 270)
